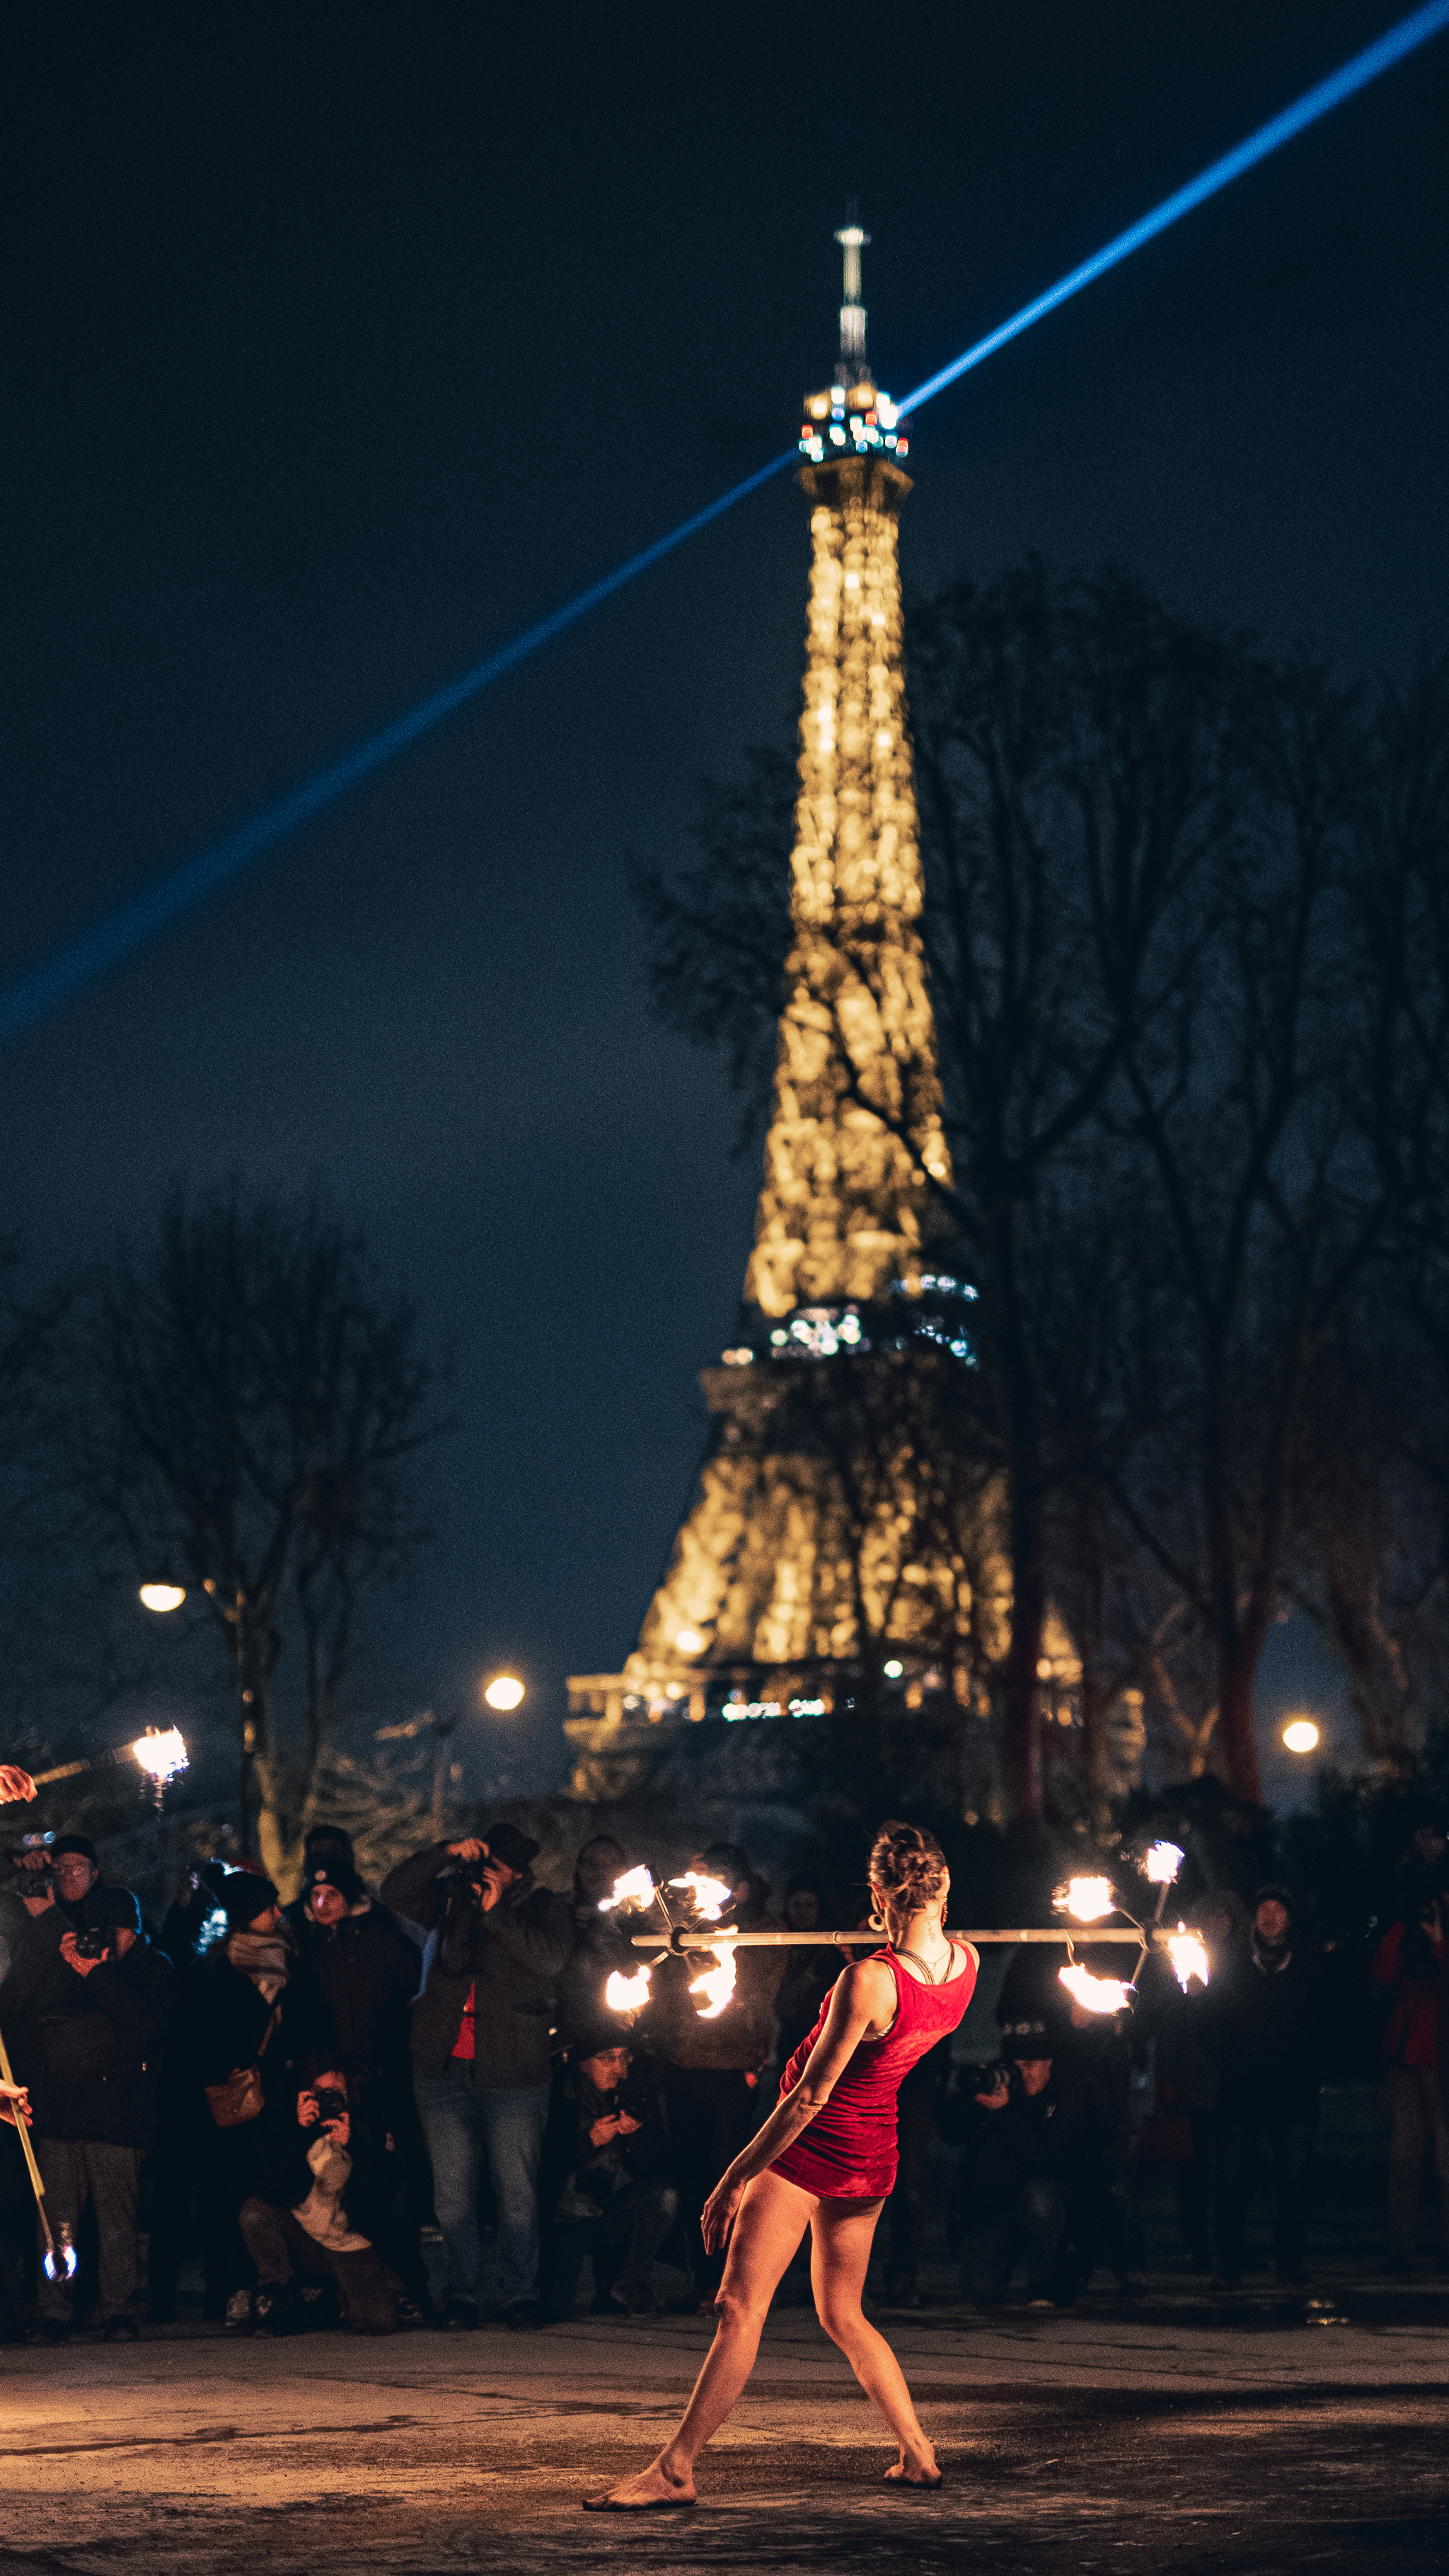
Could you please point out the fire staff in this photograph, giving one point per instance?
(826, 2159)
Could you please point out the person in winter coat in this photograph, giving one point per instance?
(310, 2219)
(1263, 2023)
(96, 2018)
(1035, 2169)
(1412, 1963)
(362, 1972)
(480, 2032)
(605, 2188)
(244, 2006)
(712, 2101)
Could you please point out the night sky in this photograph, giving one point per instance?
(343, 342)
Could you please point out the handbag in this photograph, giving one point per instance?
(240, 2098)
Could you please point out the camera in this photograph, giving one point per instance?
(18, 1878)
(331, 2105)
(1005, 2071)
(93, 1944)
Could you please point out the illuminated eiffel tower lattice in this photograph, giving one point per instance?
(814, 1563)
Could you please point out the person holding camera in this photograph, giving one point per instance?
(1034, 2174)
(606, 2188)
(305, 2225)
(97, 2016)
(1412, 1964)
(480, 2033)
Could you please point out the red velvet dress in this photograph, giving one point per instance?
(849, 2150)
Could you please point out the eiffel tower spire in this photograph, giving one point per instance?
(761, 1606)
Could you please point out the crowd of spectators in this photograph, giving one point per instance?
(297, 2093)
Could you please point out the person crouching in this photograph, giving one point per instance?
(303, 2234)
(605, 2185)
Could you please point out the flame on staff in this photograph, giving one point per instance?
(636, 1887)
(163, 1754)
(1162, 1864)
(1085, 1899)
(1095, 1994)
(1189, 1956)
(59, 2260)
(717, 1982)
(711, 1895)
(628, 1994)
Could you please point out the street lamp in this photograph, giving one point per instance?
(505, 1691)
(162, 1597)
(1300, 1735)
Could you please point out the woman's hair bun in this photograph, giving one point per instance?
(907, 1865)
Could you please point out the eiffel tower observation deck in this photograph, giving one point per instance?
(837, 1554)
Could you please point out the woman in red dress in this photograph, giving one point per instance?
(826, 2159)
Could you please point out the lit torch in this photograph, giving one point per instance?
(636, 1887)
(1161, 1866)
(710, 1895)
(717, 1982)
(1085, 1899)
(1095, 1994)
(628, 1994)
(59, 2260)
(162, 1755)
(1189, 1957)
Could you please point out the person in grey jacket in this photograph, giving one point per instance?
(480, 2048)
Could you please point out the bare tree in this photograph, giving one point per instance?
(252, 1404)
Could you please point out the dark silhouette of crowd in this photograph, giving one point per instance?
(300, 2094)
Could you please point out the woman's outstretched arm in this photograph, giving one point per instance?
(864, 1999)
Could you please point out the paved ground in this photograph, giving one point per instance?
(1283, 2439)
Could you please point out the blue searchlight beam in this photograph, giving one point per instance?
(33, 995)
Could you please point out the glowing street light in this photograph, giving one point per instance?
(1301, 1735)
(504, 1691)
(162, 1597)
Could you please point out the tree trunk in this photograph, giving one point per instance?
(1237, 1671)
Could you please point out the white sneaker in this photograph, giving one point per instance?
(239, 2308)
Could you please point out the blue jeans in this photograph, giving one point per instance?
(463, 2124)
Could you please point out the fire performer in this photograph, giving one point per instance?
(826, 2159)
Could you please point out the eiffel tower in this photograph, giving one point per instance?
(814, 1566)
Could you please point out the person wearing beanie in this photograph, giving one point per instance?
(102, 2032)
(480, 2048)
(362, 1971)
(77, 1866)
(1263, 2022)
(245, 2008)
(606, 2186)
(1033, 2181)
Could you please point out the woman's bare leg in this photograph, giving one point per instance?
(841, 2233)
(773, 2216)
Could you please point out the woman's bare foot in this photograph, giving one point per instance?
(656, 2485)
(914, 2469)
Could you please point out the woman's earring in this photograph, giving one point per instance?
(877, 1922)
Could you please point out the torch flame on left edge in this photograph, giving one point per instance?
(163, 1755)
